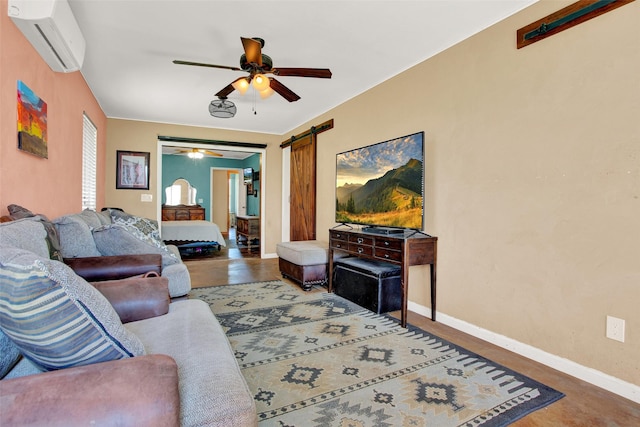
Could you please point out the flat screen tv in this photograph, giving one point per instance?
(382, 185)
(247, 175)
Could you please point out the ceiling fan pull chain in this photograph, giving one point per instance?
(255, 113)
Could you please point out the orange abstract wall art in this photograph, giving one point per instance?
(32, 122)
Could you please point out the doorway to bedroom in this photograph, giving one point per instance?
(226, 184)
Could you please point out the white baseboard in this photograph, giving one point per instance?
(615, 385)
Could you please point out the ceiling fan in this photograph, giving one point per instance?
(257, 64)
(198, 153)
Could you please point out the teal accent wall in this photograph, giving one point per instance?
(196, 171)
(253, 203)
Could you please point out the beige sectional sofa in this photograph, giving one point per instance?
(137, 358)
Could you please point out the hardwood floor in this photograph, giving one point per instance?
(583, 404)
(230, 265)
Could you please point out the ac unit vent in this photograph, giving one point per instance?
(53, 49)
(51, 28)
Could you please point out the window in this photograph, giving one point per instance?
(89, 163)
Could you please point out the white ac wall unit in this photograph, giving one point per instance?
(52, 30)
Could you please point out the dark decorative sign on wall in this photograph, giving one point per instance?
(565, 18)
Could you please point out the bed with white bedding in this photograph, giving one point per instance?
(191, 231)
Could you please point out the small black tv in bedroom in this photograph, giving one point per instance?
(247, 175)
(381, 185)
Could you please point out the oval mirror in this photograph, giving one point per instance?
(180, 193)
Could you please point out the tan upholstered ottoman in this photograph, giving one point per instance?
(305, 262)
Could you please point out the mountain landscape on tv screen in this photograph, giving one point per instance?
(393, 199)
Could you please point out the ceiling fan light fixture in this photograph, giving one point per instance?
(241, 85)
(264, 94)
(195, 155)
(222, 108)
(260, 82)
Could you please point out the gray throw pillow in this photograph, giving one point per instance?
(91, 218)
(19, 212)
(27, 233)
(53, 241)
(105, 218)
(118, 239)
(76, 240)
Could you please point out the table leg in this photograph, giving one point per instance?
(404, 294)
(330, 272)
(433, 291)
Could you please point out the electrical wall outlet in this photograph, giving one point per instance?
(146, 197)
(615, 328)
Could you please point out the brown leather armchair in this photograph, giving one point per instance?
(140, 391)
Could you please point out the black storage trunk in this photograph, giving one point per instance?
(374, 285)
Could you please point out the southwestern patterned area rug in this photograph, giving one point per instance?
(316, 359)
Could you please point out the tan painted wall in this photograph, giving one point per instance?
(143, 136)
(50, 186)
(532, 180)
(220, 200)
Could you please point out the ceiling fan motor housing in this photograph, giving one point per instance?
(267, 64)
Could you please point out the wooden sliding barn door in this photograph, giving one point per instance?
(303, 189)
(302, 176)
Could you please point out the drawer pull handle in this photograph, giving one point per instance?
(386, 243)
(338, 235)
(338, 245)
(386, 255)
(360, 250)
(360, 240)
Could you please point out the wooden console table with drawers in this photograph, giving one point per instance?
(248, 231)
(404, 249)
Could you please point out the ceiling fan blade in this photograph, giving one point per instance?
(200, 150)
(226, 91)
(199, 64)
(253, 50)
(284, 91)
(322, 73)
(211, 153)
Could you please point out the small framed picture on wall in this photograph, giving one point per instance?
(132, 170)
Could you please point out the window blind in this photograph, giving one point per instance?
(89, 163)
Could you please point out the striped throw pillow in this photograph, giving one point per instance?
(56, 318)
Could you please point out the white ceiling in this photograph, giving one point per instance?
(131, 45)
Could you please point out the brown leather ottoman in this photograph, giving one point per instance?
(305, 262)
